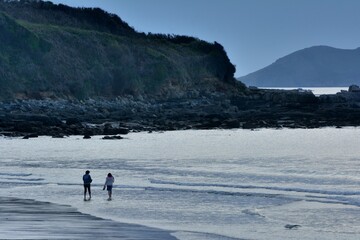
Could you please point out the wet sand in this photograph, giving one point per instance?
(29, 219)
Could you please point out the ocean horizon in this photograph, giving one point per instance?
(316, 90)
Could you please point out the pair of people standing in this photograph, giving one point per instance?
(109, 181)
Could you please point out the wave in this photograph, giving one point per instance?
(10, 184)
(199, 235)
(19, 177)
(252, 212)
(333, 197)
(16, 174)
(234, 186)
(26, 179)
(224, 193)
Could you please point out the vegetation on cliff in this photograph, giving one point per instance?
(55, 51)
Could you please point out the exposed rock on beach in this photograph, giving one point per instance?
(258, 108)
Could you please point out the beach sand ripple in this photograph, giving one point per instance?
(29, 219)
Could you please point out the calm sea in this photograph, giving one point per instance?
(213, 184)
(317, 90)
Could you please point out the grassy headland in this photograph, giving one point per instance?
(55, 51)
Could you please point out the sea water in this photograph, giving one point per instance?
(317, 91)
(211, 184)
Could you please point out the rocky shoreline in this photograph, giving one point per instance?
(257, 108)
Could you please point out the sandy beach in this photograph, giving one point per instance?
(29, 219)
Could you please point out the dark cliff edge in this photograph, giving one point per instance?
(74, 71)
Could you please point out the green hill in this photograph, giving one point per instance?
(318, 66)
(55, 51)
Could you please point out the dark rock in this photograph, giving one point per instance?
(30, 136)
(249, 125)
(354, 88)
(332, 98)
(262, 109)
(110, 130)
(87, 136)
(73, 121)
(112, 137)
(231, 123)
(213, 123)
(292, 226)
(26, 126)
(289, 96)
(58, 136)
(36, 118)
(10, 134)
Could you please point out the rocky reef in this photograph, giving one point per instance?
(257, 108)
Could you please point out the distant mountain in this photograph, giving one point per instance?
(56, 51)
(318, 66)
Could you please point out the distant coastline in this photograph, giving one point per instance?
(316, 90)
(317, 66)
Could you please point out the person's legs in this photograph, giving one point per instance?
(89, 189)
(85, 192)
(108, 193)
(109, 189)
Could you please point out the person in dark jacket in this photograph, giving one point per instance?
(87, 181)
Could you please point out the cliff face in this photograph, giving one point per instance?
(319, 66)
(55, 51)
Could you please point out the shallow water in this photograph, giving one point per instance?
(213, 184)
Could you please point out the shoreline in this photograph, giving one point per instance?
(260, 108)
(30, 219)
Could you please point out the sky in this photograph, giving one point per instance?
(254, 33)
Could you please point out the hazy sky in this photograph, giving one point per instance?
(254, 32)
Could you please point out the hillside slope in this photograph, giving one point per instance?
(55, 51)
(319, 66)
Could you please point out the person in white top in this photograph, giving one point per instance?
(109, 184)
